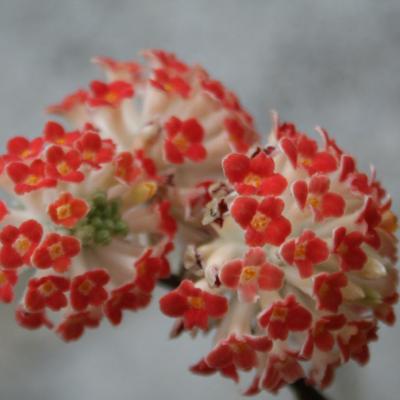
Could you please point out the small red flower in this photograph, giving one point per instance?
(54, 133)
(252, 274)
(303, 152)
(304, 252)
(147, 271)
(127, 297)
(47, 292)
(20, 148)
(29, 177)
(170, 83)
(316, 195)
(129, 167)
(64, 165)
(202, 368)
(167, 222)
(88, 289)
(184, 140)
(280, 370)
(32, 320)
(347, 247)
(94, 150)
(69, 103)
(56, 251)
(111, 94)
(240, 136)
(194, 305)
(285, 316)
(8, 280)
(263, 221)
(73, 327)
(240, 351)
(67, 210)
(129, 69)
(327, 289)
(19, 243)
(254, 175)
(321, 336)
(167, 60)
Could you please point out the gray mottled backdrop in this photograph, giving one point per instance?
(334, 63)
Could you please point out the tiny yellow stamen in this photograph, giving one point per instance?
(248, 273)
(260, 222)
(56, 250)
(252, 180)
(196, 302)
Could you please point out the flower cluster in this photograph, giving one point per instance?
(300, 269)
(289, 249)
(97, 206)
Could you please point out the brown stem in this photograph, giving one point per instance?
(300, 387)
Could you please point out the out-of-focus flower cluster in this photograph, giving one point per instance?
(96, 204)
(289, 250)
(301, 268)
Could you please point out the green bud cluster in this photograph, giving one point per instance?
(102, 223)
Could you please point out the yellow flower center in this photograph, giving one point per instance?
(47, 288)
(3, 278)
(143, 192)
(63, 168)
(252, 180)
(32, 180)
(26, 153)
(181, 142)
(279, 313)
(111, 97)
(56, 250)
(300, 251)
(314, 202)
(196, 302)
(64, 211)
(88, 155)
(260, 222)
(86, 286)
(248, 273)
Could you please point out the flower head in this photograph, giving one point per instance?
(304, 249)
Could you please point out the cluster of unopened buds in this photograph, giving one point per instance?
(288, 249)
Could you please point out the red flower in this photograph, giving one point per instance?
(19, 243)
(170, 83)
(130, 69)
(303, 151)
(70, 102)
(167, 60)
(8, 279)
(29, 177)
(147, 271)
(281, 369)
(252, 274)
(240, 351)
(20, 148)
(194, 305)
(47, 292)
(305, 252)
(129, 167)
(240, 136)
(327, 289)
(67, 210)
(74, 325)
(263, 221)
(347, 247)
(88, 289)
(285, 316)
(94, 150)
(127, 297)
(316, 195)
(111, 94)
(184, 140)
(32, 320)
(321, 335)
(254, 175)
(64, 165)
(55, 133)
(167, 222)
(202, 368)
(56, 251)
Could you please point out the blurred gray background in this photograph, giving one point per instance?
(334, 63)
